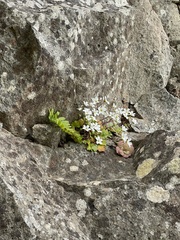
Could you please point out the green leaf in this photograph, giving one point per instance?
(105, 133)
(78, 124)
(91, 146)
(64, 125)
(116, 129)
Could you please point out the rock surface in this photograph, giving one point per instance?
(159, 155)
(55, 54)
(73, 194)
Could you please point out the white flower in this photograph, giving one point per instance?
(95, 127)
(80, 109)
(133, 120)
(86, 128)
(102, 110)
(125, 112)
(129, 142)
(98, 140)
(111, 114)
(86, 103)
(120, 110)
(117, 111)
(105, 100)
(114, 106)
(116, 118)
(90, 118)
(126, 139)
(131, 113)
(87, 111)
(95, 112)
(94, 101)
(124, 129)
(124, 136)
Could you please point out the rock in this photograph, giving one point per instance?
(173, 86)
(102, 200)
(56, 54)
(174, 24)
(38, 199)
(174, 82)
(157, 157)
(12, 225)
(47, 135)
(169, 15)
(160, 110)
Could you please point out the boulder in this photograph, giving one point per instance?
(56, 54)
(47, 135)
(157, 157)
(69, 193)
(12, 225)
(160, 110)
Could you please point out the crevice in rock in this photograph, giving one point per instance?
(71, 187)
(30, 138)
(174, 89)
(137, 114)
(91, 205)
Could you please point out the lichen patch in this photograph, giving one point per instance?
(157, 194)
(146, 167)
(174, 166)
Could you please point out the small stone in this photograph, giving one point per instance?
(46, 134)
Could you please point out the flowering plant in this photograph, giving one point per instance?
(98, 121)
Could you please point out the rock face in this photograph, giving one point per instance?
(73, 194)
(158, 155)
(57, 54)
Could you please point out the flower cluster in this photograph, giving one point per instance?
(99, 114)
(99, 120)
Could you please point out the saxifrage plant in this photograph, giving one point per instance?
(97, 122)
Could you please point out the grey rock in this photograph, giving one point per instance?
(159, 110)
(157, 157)
(174, 24)
(55, 54)
(102, 200)
(174, 86)
(39, 200)
(12, 225)
(168, 11)
(47, 135)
